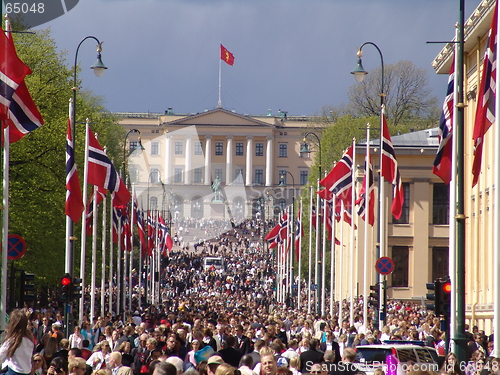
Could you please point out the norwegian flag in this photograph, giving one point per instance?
(313, 216)
(126, 231)
(443, 160)
(23, 115)
(115, 220)
(12, 73)
(339, 180)
(390, 170)
(165, 239)
(299, 233)
(279, 232)
(99, 195)
(485, 112)
(74, 198)
(140, 230)
(151, 234)
(361, 201)
(102, 173)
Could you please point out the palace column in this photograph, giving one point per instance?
(168, 159)
(269, 161)
(187, 166)
(208, 160)
(248, 166)
(229, 160)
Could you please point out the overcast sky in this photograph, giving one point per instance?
(293, 55)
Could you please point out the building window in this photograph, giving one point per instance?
(178, 148)
(133, 173)
(239, 148)
(259, 176)
(198, 150)
(405, 213)
(440, 262)
(178, 175)
(282, 177)
(155, 148)
(283, 153)
(153, 203)
(198, 173)
(219, 148)
(218, 173)
(154, 175)
(440, 204)
(304, 175)
(400, 256)
(259, 149)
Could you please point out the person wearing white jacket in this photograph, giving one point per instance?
(17, 348)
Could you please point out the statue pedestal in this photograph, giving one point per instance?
(217, 210)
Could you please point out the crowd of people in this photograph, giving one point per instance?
(220, 322)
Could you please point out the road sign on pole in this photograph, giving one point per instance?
(384, 265)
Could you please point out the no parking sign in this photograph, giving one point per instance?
(16, 247)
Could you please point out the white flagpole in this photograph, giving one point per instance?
(219, 103)
(318, 219)
(367, 228)
(291, 249)
(68, 267)
(341, 261)
(5, 224)
(323, 256)
(111, 270)
(299, 272)
(452, 213)
(311, 204)
(353, 232)
(83, 239)
(118, 265)
(131, 265)
(103, 266)
(496, 214)
(94, 253)
(332, 254)
(381, 225)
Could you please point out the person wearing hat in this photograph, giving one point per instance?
(212, 364)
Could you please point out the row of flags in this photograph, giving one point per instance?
(338, 190)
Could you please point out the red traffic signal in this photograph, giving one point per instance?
(66, 288)
(447, 287)
(66, 280)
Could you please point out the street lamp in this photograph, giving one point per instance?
(292, 256)
(359, 74)
(303, 150)
(70, 226)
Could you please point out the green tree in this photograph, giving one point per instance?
(37, 162)
(408, 95)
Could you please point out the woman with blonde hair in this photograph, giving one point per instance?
(39, 366)
(18, 345)
(225, 369)
(100, 356)
(295, 365)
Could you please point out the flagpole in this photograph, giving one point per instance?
(451, 220)
(83, 239)
(323, 258)
(496, 213)
(382, 222)
(219, 103)
(341, 259)
(367, 228)
(118, 263)
(131, 265)
(111, 270)
(5, 224)
(353, 233)
(311, 204)
(300, 255)
(94, 253)
(332, 254)
(103, 252)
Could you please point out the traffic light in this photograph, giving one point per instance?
(66, 287)
(77, 288)
(446, 297)
(27, 287)
(437, 297)
(374, 299)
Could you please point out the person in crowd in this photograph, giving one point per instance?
(39, 366)
(116, 366)
(311, 356)
(195, 346)
(100, 356)
(18, 345)
(228, 352)
(269, 366)
(213, 363)
(77, 366)
(50, 349)
(76, 338)
(58, 366)
(86, 333)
